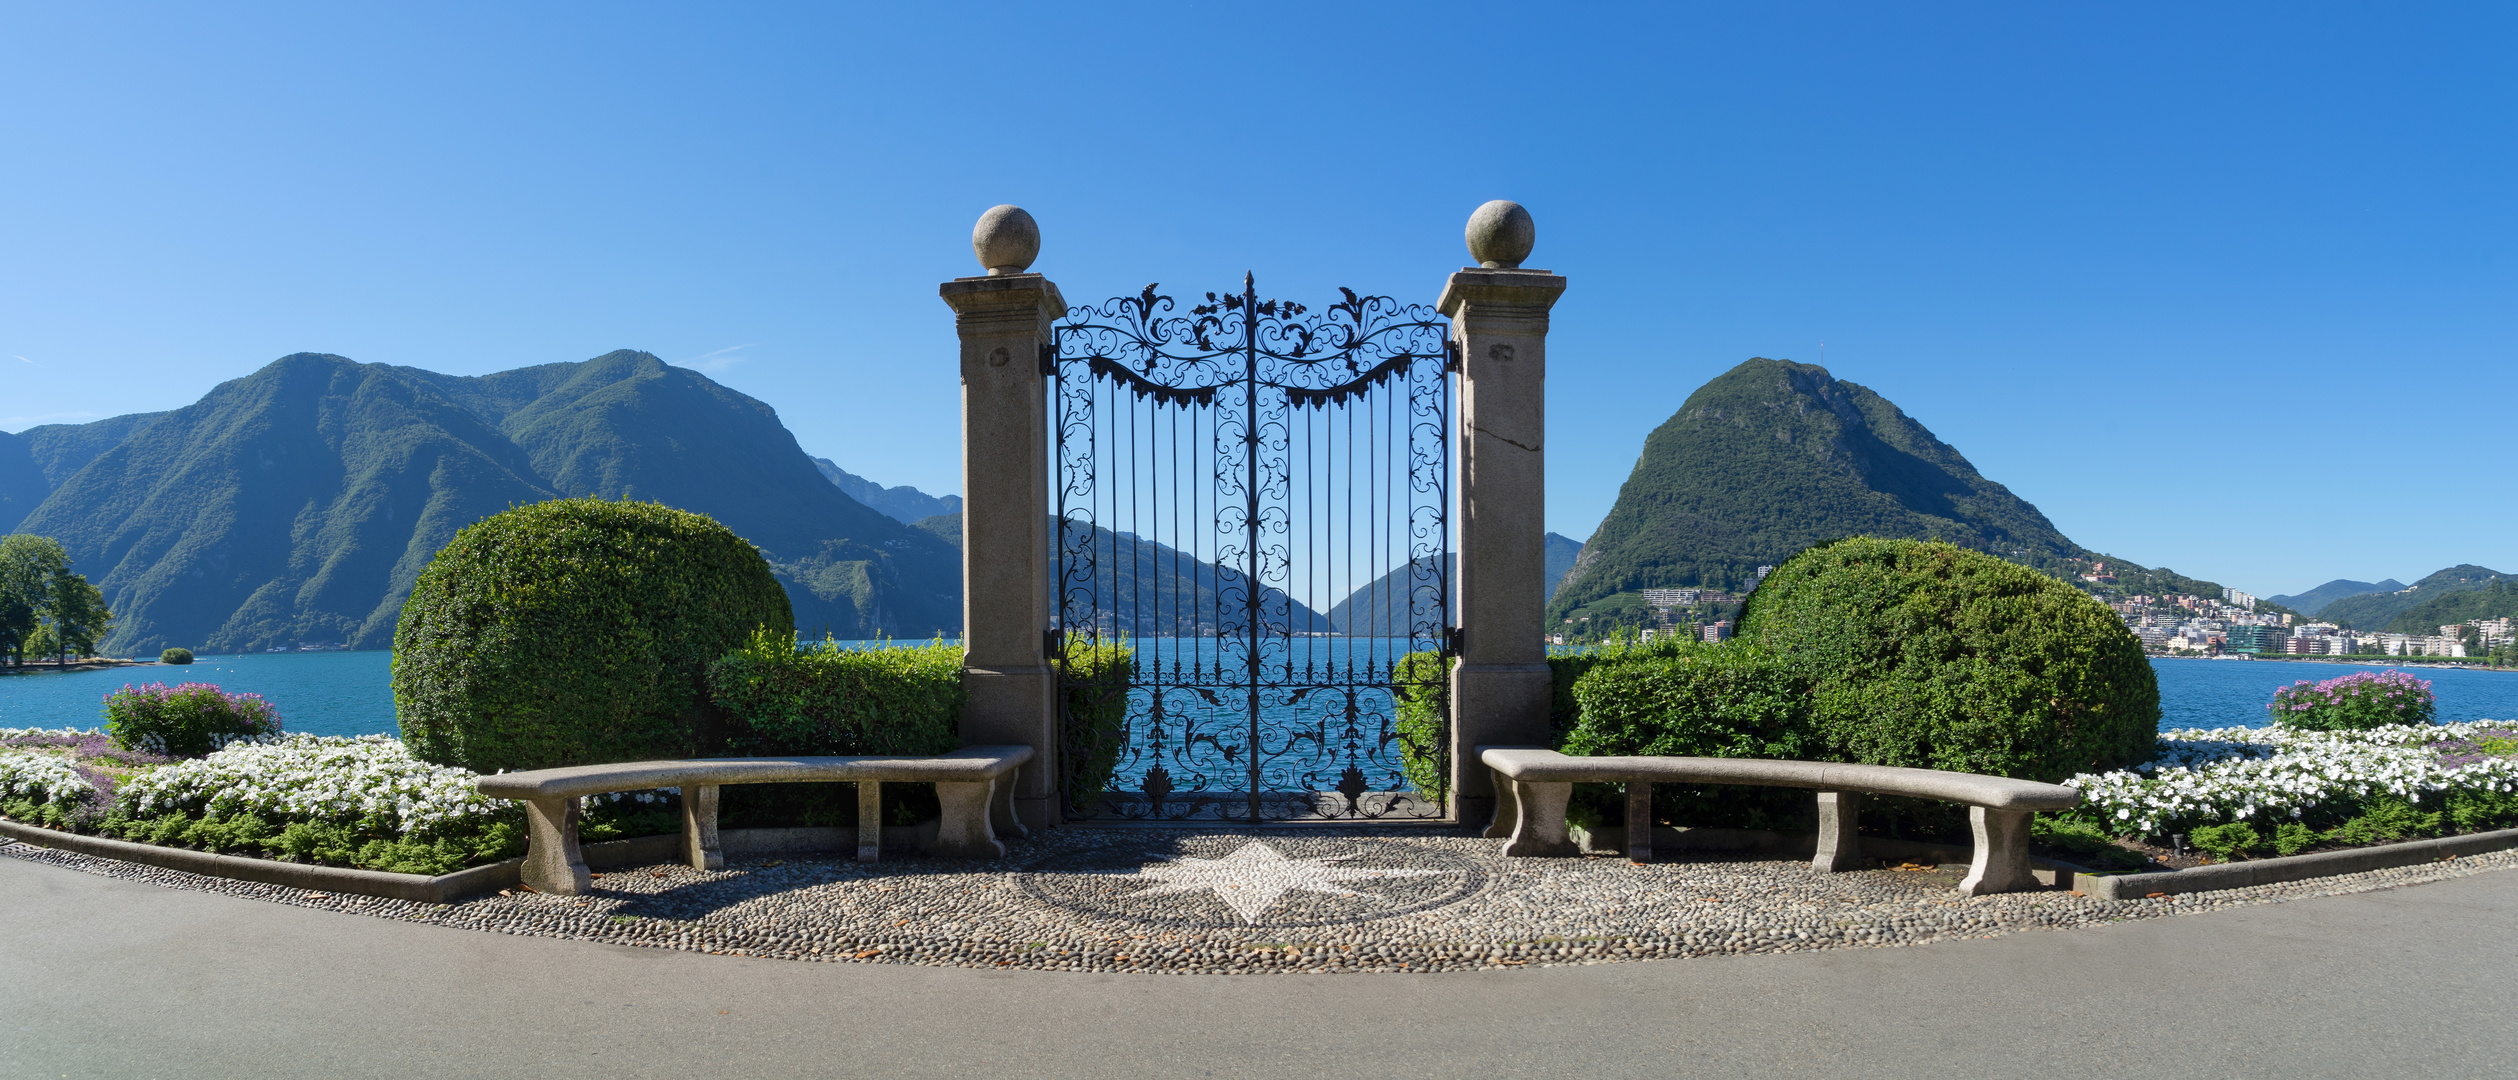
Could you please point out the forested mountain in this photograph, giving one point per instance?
(903, 504)
(1398, 603)
(2332, 591)
(35, 461)
(1774, 456)
(2493, 599)
(2390, 611)
(1561, 553)
(299, 503)
(1141, 588)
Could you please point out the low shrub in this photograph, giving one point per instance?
(175, 656)
(573, 632)
(2225, 842)
(1695, 700)
(1423, 693)
(824, 699)
(186, 721)
(1703, 701)
(1098, 676)
(1927, 655)
(2356, 702)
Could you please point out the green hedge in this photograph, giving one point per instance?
(1704, 701)
(574, 632)
(1931, 656)
(823, 699)
(1423, 692)
(1098, 676)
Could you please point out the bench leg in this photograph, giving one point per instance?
(1001, 816)
(964, 832)
(1539, 821)
(869, 820)
(553, 861)
(1507, 811)
(2001, 863)
(1638, 821)
(699, 827)
(1840, 847)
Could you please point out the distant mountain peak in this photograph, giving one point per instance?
(904, 504)
(1773, 456)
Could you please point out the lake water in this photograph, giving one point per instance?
(348, 693)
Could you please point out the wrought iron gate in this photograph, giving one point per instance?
(1253, 558)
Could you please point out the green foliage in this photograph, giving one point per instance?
(1421, 689)
(574, 632)
(2226, 842)
(44, 608)
(824, 699)
(175, 656)
(1927, 655)
(186, 721)
(2291, 838)
(1098, 674)
(323, 843)
(1700, 701)
(2087, 843)
(2385, 818)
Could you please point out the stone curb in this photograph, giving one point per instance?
(462, 884)
(2238, 875)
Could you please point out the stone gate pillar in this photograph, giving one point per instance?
(1499, 316)
(1004, 321)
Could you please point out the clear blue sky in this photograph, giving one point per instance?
(2117, 254)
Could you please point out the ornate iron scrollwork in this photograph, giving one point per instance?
(1254, 498)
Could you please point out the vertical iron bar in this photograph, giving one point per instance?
(1250, 525)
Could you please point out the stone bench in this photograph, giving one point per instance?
(975, 784)
(1532, 787)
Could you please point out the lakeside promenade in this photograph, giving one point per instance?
(112, 978)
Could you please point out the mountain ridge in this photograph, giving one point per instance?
(299, 502)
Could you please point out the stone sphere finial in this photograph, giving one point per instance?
(1501, 235)
(1007, 240)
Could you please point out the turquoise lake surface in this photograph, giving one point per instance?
(348, 693)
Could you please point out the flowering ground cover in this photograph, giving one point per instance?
(2278, 789)
(359, 801)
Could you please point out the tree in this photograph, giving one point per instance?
(77, 615)
(28, 566)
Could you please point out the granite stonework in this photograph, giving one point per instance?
(1137, 900)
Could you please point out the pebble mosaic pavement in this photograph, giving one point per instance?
(1313, 901)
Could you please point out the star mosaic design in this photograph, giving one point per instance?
(1252, 879)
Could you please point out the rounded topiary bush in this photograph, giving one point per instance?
(175, 656)
(573, 632)
(1928, 655)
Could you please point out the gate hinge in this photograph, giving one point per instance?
(1451, 355)
(1050, 645)
(1048, 359)
(1455, 640)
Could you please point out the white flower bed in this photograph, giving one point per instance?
(45, 778)
(44, 733)
(368, 779)
(2208, 776)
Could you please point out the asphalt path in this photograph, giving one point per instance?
(107, 978)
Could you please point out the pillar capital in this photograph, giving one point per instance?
(1479, 294)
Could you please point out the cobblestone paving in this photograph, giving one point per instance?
(1310, 901)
